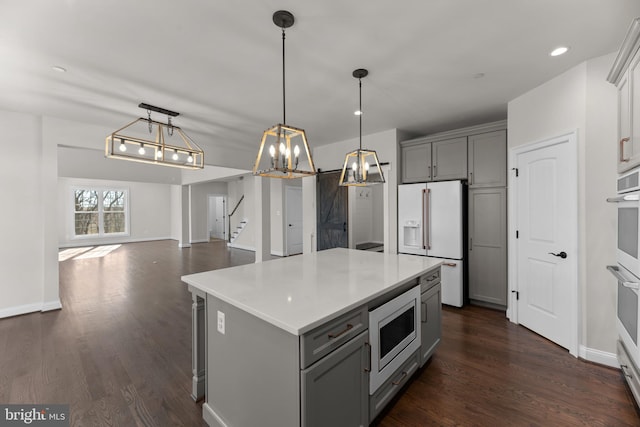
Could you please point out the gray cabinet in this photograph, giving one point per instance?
(390, 388)
(625, 74)
(424, 161)
(416, 163)
(449, 159)
(488, 159)
(431, 321)
(487, 255)
(335, 389)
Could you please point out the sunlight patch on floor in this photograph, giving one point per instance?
(86, 252)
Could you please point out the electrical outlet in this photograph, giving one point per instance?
(221, 322)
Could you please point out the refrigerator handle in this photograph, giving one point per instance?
(424, 217)
(425, 225)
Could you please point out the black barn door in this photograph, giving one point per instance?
(332, 211)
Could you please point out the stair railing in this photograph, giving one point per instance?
(231, 214)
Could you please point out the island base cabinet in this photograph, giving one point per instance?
(431, 318)
(253, 370)
(335, 389)
(393, 385)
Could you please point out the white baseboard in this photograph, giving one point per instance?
(277, 253)
(598, 356)
(30, 308)
(83, 242)
(200, 241)
(211, 417)
(184, 245)
(243, 247)
(51, 305)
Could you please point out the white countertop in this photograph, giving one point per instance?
(301, 292)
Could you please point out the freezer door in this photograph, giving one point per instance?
(444, 226)
(452, 282)
(411, 199)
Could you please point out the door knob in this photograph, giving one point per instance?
(562, 254)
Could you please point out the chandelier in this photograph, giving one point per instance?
(148, 141)
(287, 144)
(361, 166)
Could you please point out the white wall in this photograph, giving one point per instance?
(176, 211)
(277, 216)
(150, 211)
(199, 205)
(582, 99)
(28, 255)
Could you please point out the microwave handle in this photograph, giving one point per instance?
(614, 270)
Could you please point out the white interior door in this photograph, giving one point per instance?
(220, 218)
(294, 219)
(546, 221)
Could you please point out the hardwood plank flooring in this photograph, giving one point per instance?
(119, 352)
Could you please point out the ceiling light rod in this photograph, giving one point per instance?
(158, 109)
(283, 19)
(359, 74)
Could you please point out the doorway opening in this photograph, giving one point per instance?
(217, 217)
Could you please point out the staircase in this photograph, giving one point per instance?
(234, 235)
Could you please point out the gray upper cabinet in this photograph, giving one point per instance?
(335, 390)
(488, 159)
(434, 161)
(416, 163)
(625, 74)
(449, 159)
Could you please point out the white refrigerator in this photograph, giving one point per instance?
(430, 224)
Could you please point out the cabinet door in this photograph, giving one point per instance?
(625, 148)
(431, 317)
(449, 159)
(488, 246)
(488, 159)
(416, 163)
(634, 110)
(335, 390)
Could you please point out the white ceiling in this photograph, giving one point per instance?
(218, 63)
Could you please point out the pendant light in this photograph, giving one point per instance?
(286, 144)
(361, 166)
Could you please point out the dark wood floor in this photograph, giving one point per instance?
(120, 354)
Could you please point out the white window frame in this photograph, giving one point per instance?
(101, 234)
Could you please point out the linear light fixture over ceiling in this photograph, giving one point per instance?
(288, 153)
(170, 146)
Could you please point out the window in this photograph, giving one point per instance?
(100, 212)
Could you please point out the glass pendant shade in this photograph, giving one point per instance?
(148, 141)
(284, 153)
(361, 168)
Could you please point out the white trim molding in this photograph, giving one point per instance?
(598, 356)
(30, 308)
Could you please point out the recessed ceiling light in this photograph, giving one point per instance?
(59, 69)
(559, 51)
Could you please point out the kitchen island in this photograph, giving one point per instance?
(286, 342)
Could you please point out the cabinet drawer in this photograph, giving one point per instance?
(390, 388)
(629, 371)
(429, 280)
(324, 339)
